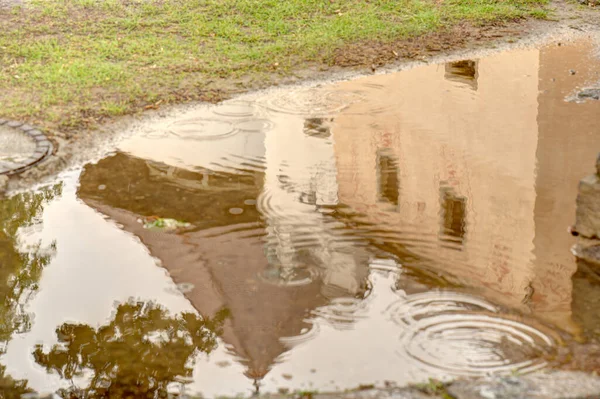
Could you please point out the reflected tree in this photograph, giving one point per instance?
(20, 271)
(20, 268)
(11, 388)
(138, 354)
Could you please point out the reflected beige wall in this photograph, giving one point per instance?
(569, 140)
(480, 144)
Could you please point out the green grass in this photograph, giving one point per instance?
(435, 387)
(68, 63)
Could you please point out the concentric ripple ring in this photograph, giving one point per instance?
(407, 311)
(311, 101)
(474, 344)
(203, 129)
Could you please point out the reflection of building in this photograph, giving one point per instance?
(464, 71)
(465, 174)
(225, 254)
(223, 260)
(464, 170)
(471, 172)
(301, 182)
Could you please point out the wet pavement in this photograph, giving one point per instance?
(384, 230)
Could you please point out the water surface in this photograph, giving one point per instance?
(384, 230)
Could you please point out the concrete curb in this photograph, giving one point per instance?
(43, 148)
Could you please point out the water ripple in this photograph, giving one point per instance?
(342, 313)
(474, 344)
(289, 276)
(254, 125)
(461, 335)
(202, 129)
(311, 101)
(236, 109)
(409, 310)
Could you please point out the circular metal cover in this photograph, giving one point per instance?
(21, 147)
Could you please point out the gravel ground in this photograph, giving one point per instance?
(550, 385)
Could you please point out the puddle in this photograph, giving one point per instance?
(393, 228)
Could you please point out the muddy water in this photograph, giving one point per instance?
(383, 230)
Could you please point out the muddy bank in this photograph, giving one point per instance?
(587, 224)
(555, 385)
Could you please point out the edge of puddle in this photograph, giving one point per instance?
(92, 145)
(542, 385)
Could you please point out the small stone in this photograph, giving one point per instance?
(41, 149)
(236, 211)
(512, 380)
(587, 222)
(14, 124)
(26, 128)
(572, 72)
(589, 93)
(35, 133)
(102, 187)
(41, 139)
(551, 385)
(487, 393)
(44, 144)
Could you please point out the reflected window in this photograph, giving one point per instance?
(464, 71)
(317, 127)
(388, 176)
(309, 198)
(453, 215)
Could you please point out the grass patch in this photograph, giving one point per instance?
(435, 387)
(71, 62)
